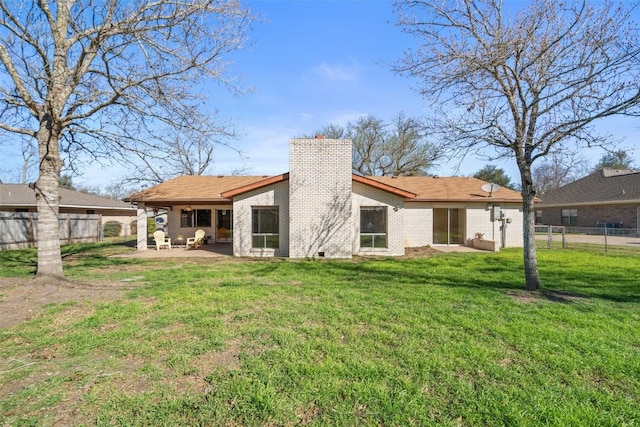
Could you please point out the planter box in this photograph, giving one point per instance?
(485, 245)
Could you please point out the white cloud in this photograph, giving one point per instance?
(337, 72)
(343, 118)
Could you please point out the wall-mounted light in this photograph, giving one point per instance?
(188, 209)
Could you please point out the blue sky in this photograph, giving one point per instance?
(315, 62)
(325, 61)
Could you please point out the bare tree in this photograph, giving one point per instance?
(558, 169)
(396, 149)
(99, 77)
(332, 131)
(177, 152)
(525, 82)
(29, 159)
(22, 171)
(368, 135)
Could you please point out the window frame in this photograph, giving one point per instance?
(373, 235)
(569, 216)
(269, 239)
(194, 218)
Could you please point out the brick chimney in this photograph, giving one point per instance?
(320, 198)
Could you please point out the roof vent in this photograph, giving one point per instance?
(319, 137)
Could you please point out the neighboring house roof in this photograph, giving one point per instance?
(449, 189)
(608, 186)
(212, 189)
(23, 196)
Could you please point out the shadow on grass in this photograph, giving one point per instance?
(472, 271)
(89, 248)
(24, 262)
(18, 262)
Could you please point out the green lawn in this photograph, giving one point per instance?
(444, 340)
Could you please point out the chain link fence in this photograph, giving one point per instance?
(609, 240)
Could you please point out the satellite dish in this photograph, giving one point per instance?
(490, 188)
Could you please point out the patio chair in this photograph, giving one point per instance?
(161, 241)
(196, 241)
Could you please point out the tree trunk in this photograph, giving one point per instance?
(48, 203)
(532, 279)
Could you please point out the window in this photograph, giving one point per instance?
(538, 219)
(569, 216)
(195, 218)
(265, 227)
(373, 227)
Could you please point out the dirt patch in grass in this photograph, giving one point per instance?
(420, 251)
(545, 295)
(22, 298)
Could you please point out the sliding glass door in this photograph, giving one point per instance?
(224, 225)
(448, 226)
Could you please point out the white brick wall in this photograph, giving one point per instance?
(320, 206)
(479, 221)
(418, 219)
(366, 196)
(273, 195)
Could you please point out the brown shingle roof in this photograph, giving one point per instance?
(604, 186)
(448, 189)
(230, 194)
(211, 189)
(193, 189)
(388, 187)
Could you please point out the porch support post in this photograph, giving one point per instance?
(142, 227)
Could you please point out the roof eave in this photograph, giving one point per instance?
(459, 200)
(230, 194)
(599, 203)
(182, 201)
(384, 187)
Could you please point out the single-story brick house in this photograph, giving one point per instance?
(608, 196)
(321, 209)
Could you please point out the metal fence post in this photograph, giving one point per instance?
(549, 236)
(606, 233)
(564, 238)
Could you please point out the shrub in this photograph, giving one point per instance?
(151, 225)
(133, 226)
(112, 229)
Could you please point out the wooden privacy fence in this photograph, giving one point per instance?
(19, 229)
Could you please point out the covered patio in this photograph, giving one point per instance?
(214, 250)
